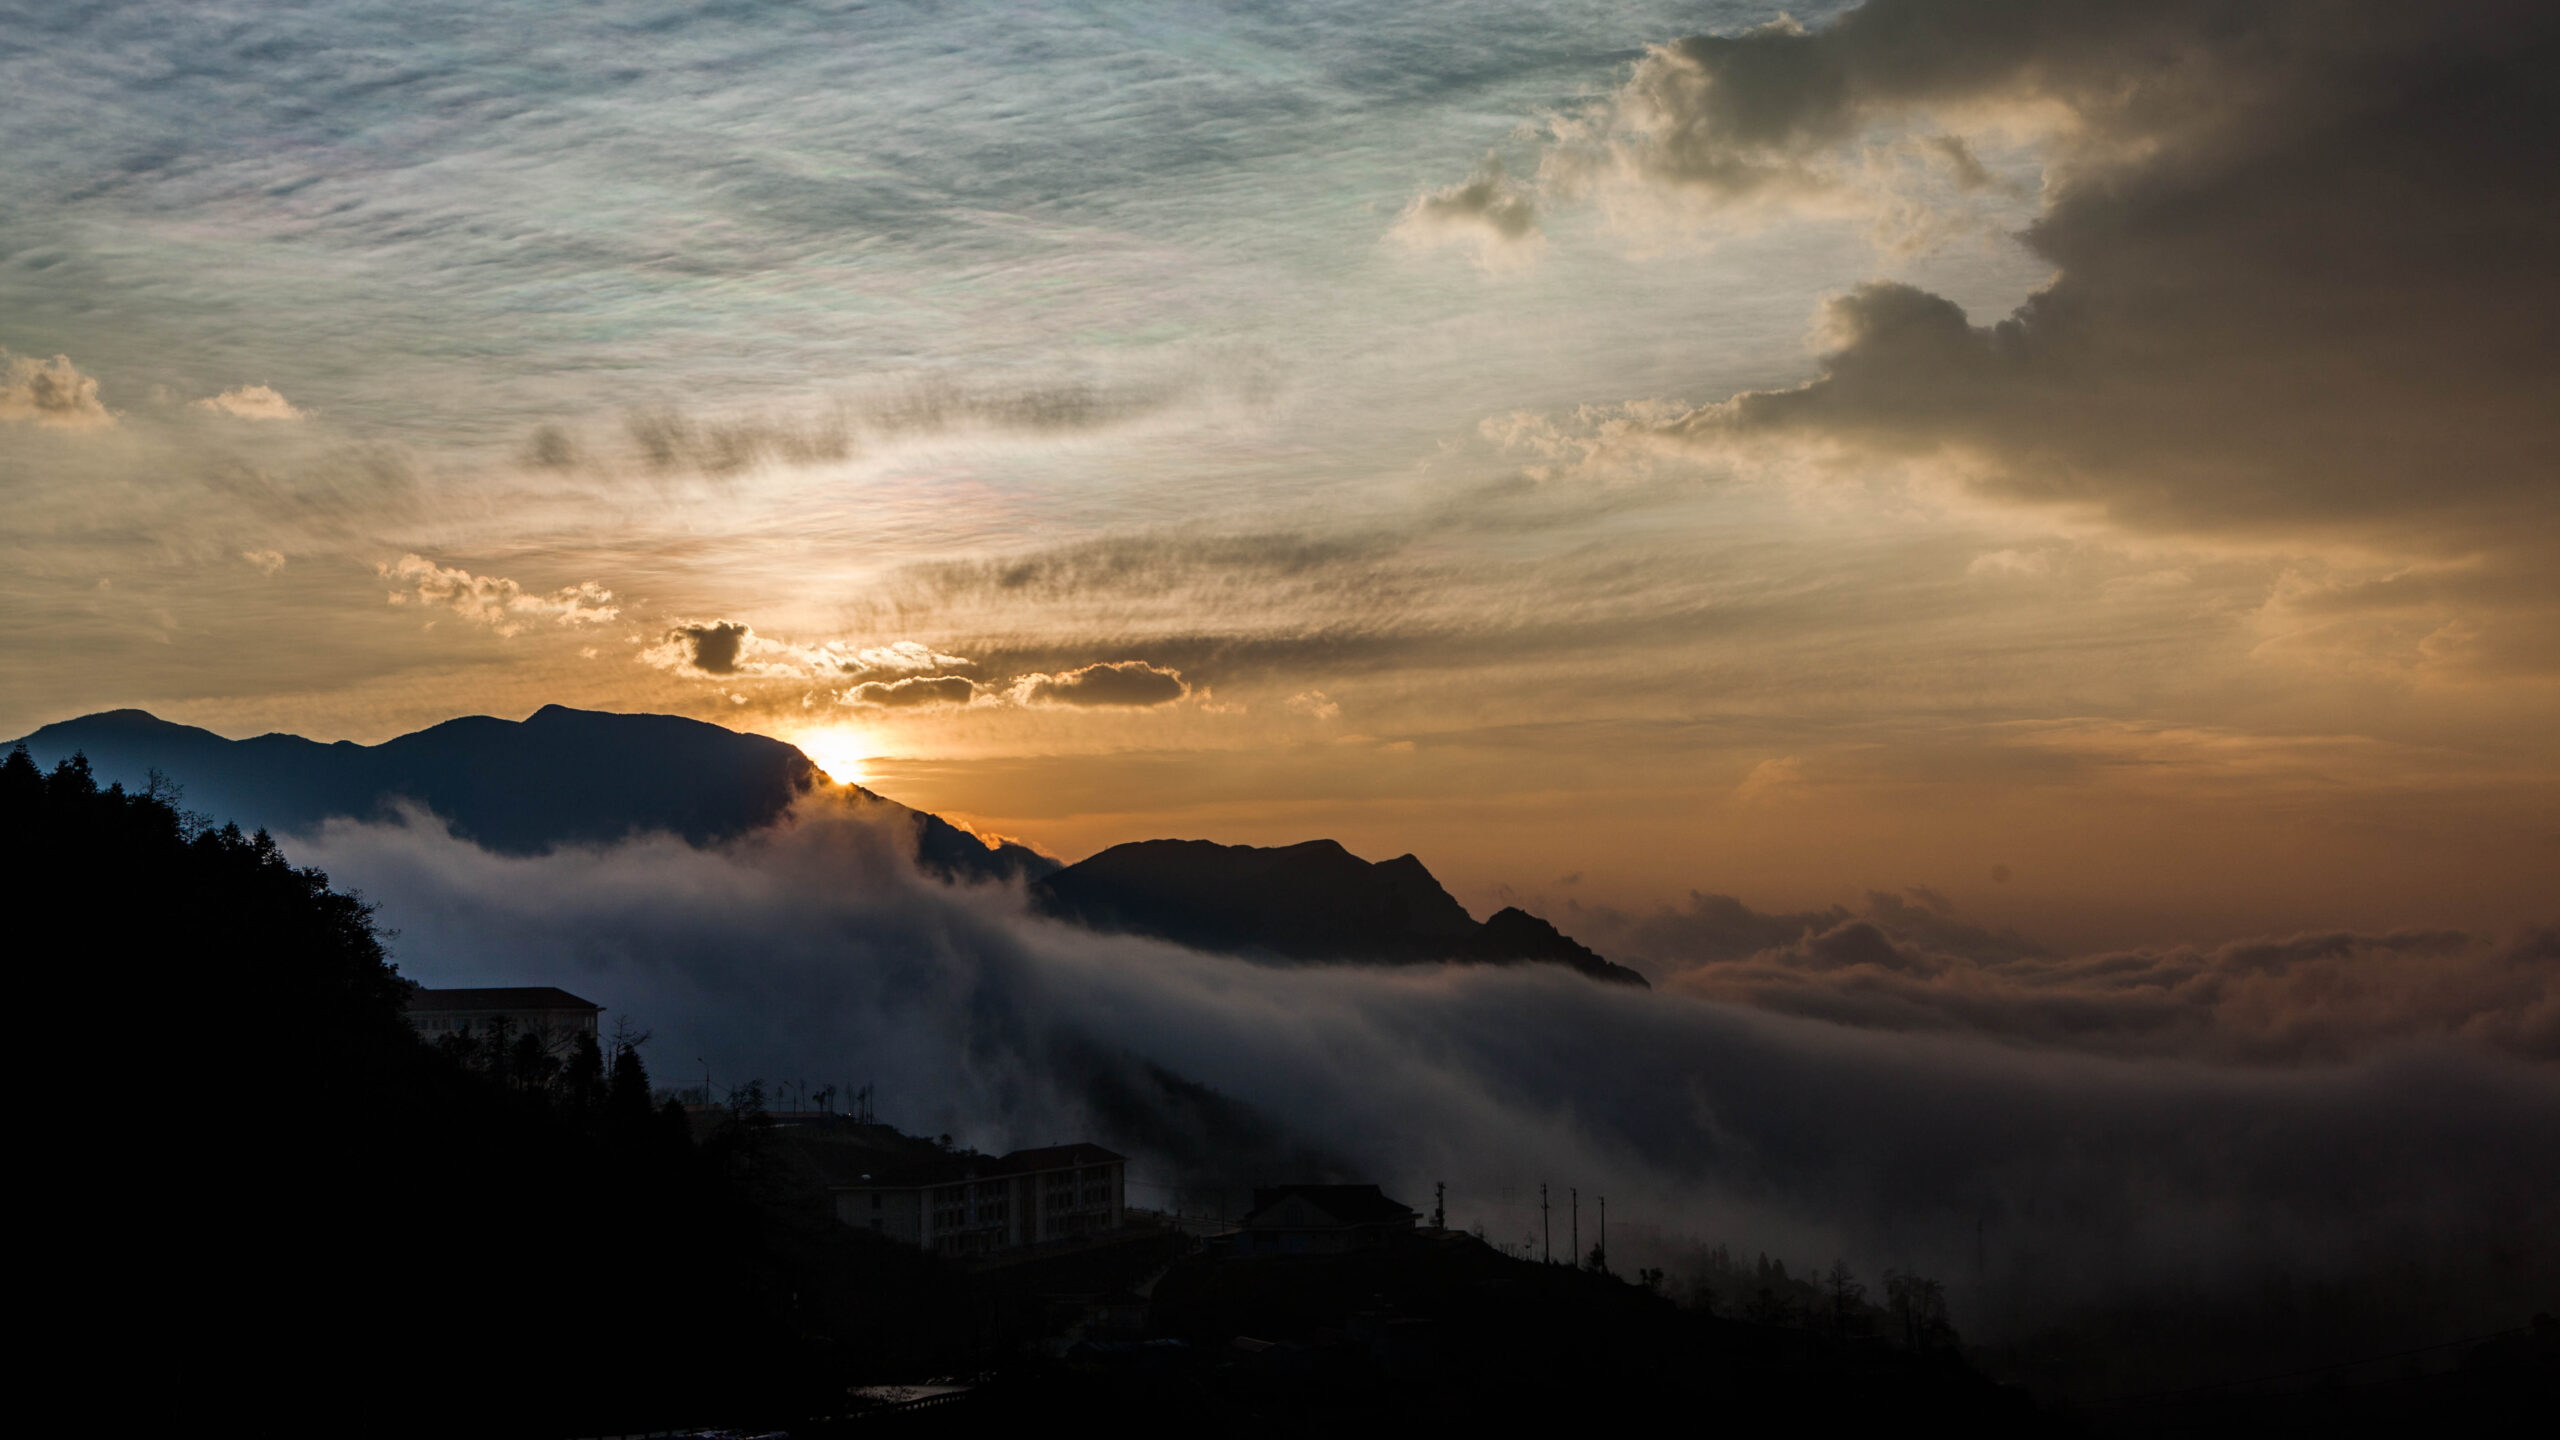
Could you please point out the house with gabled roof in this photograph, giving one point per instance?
(1321, 1220)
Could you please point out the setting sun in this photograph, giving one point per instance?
(840, 751)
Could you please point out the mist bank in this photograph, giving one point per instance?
(2032, 1178)
(1909, 961)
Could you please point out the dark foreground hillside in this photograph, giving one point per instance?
(279, 1206)
(1441, 1330)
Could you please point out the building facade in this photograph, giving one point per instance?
(524, 1008)
(967, 1205)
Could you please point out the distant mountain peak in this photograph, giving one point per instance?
(130, 720)
(1314, 901)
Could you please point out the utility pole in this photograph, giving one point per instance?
(1546, 1227)
(1439, 1204)
(1576, 1193)
(1604, 1234)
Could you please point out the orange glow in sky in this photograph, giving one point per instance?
(1950, 480)
(840, 750)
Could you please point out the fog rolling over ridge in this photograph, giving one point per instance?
(1892, 1084)
(2026, 1169)
(2034, 1178)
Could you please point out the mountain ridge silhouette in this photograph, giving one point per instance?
(1312, 902)
(558, 777)
(566, 777)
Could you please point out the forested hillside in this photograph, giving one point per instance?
(283, 1204)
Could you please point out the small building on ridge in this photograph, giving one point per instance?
(1320, 1220)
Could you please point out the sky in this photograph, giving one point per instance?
(2080, 471)
(2001, 552)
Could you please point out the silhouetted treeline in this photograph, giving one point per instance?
(281, 1206)
(1910, 1311)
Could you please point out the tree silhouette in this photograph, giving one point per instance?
(1848, 1299)
(1919, 1309)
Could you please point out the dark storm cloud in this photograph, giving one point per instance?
(713, 647)
(2302, 251)
(913, 693)
(1916, 967)
(814, 950)
(1132, 683)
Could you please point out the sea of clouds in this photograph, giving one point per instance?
(2020, 1167)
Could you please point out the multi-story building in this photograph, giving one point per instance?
(524, 1008)
(983, 1204)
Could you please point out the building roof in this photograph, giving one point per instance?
(1346, 1204)
(512, 997)
(951, 1169)
(1058, 1157)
